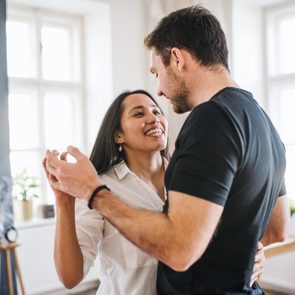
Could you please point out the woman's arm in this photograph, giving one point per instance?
(277, 227)
(77, 236)
(67, 253)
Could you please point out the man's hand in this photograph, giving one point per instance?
(258, 264)
(60, 196)
(78, 179)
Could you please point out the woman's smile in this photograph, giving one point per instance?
(154, 132)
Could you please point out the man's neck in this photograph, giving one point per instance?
(207, 82)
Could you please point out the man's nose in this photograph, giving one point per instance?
(159, 92)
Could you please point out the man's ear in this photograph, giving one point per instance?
(119, 137)
(177, 58)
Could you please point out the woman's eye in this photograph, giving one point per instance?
(138, 114)
(156, 112)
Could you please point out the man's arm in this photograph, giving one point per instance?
(178, 239)
(277, 227)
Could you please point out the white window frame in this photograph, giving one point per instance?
(77, 85)
(275, 80)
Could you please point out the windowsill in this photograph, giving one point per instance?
(35, 222)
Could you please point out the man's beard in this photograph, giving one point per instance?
(180, 98)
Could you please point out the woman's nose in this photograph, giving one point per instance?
(151, 118)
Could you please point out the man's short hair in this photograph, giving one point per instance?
(194, 29)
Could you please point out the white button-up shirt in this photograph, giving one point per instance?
(124, 268)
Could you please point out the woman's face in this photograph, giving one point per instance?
(143, 127)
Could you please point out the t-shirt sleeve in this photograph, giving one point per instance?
(210, 151)
(283, 190)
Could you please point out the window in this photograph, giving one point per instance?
(280, 28)
(45, 87)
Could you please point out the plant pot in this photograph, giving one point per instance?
(22, 210)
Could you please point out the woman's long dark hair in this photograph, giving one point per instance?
(105, 152)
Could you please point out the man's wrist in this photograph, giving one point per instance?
(94, 193)
(91, 186)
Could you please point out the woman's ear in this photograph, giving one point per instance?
(119, 137)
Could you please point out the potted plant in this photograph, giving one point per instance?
(24, 191)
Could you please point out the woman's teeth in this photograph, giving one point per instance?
(154, 131)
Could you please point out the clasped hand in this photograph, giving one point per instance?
(77, 179)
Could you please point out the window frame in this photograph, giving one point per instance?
(40, 16)
(274, 80)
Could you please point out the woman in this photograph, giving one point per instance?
(130, 154)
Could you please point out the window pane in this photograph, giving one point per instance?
(23, 121)
(20, 49)
(60, 120)
(286, 45)
(29, 160)
(56, 53)
(286, 107)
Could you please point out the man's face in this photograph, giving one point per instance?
(170, 85)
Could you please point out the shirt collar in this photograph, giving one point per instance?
(121, 169)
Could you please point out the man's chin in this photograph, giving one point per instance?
(179, 110)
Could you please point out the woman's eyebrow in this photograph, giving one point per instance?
(142, 107)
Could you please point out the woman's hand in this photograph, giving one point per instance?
(78, 179)
(258, 264)
(59, 195)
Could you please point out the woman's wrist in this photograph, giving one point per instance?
(66, 202)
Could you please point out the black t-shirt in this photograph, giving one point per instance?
(228, 152)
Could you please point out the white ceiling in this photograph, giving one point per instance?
(262, 2)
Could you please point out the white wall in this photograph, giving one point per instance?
(247, 47)
(115, 57)
(98, 72)
(128, 32)
(35, 256)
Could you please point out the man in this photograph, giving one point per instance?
(225, 176)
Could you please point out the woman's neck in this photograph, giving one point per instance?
(150, 169)
(144, 165)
